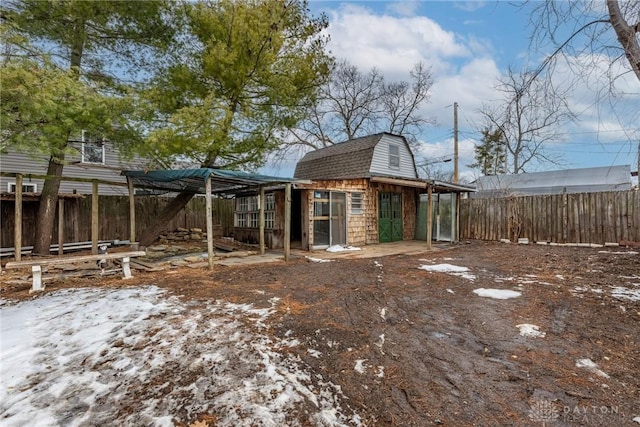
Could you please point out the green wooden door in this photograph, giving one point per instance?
(389, 217)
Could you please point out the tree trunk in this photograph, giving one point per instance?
(149, 235)
(47, 207)
(626, 36)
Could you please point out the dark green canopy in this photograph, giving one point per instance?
(193, 180)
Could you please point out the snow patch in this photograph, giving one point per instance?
(315, 353)
(637, 419)
(591, 366)
(312, 259)
(82, 356)
(497, 293)
(621, 292)
(529, 330)
(454, 270)
(340, 248)
(360, 366)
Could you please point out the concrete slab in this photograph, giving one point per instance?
(406, 247)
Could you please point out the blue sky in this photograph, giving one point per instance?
(468, 44)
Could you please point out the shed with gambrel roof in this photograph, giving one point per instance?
(358, 192)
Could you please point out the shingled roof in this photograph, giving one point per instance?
(346, 160)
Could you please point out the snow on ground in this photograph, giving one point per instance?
(621, 292)
(312, 259)
(496, 293)
(139, 357)
(340, 248)
(637, 419)
(591, 366)
(454, 270)
(529, 330)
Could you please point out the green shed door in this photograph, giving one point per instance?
(389, 217)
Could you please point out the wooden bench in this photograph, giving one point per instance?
(36, 264)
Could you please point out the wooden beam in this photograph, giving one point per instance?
(262, 205)
(60, 226)
(95, 224)
(132, 211)
(429, 216)
(66, 178)
(209, 210)
(287, 221)
(17, 228)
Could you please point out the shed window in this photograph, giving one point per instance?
(26, 188)
(247, 213)
(357, 206)
(92, 149)
(394, 156)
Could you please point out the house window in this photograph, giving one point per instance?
(247, 213)
(92, 149)
(357, 206)
(394, 156)
(26, 188)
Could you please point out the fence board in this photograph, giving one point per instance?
(113, 218)
(559, 218)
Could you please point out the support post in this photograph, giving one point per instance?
(457, 231)
(455, 142)
(132, 211)
(126, 267)
(287, 221)
(60, 226)
(262, 205)
(36, 273)
(207, 184)
(429, 215)
(95, 225)
(17, 227)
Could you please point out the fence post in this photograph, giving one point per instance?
(95, 225)
(565, 215)
(60, 226)
(17, 227)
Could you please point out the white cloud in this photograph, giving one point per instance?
(392, 44)
(469, 6)
(403, 8)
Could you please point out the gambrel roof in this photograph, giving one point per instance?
(347, 160)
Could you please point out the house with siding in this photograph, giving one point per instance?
(90, 158)
(358, 192)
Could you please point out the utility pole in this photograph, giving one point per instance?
(455, 142)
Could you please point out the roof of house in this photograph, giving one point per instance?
(347, 160)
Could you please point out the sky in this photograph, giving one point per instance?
(468, 44)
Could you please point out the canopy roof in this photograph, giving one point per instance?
(193, 180)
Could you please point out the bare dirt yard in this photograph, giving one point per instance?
(477, 334)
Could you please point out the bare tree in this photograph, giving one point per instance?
(588, 28)
(354, 104)
(401, 101)
(529, 116)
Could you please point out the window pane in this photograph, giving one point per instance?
(356, 203)
(92, 152)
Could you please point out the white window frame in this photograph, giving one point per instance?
(86, 140)
(11, 187)
(394, 158)
(247, 211)
(357, 203)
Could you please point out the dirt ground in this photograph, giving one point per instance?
(410, 347)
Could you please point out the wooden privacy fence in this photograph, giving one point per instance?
(113, 217)
(560, 218)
